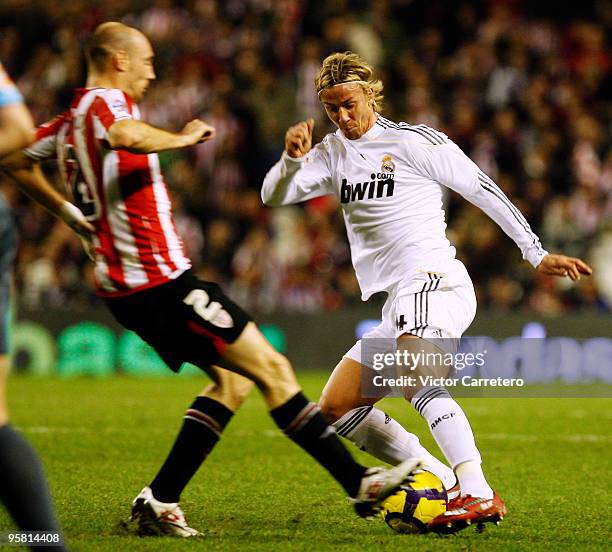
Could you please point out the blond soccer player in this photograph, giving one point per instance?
(389, 178)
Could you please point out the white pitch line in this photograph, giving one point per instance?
(47, 429)
(570, 438)
(524, 437)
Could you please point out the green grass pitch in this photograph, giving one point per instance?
(102, 440)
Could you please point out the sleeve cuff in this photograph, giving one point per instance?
(535, 256)
(296, 160)
(10, 95)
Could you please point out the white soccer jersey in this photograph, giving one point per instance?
(389, 183)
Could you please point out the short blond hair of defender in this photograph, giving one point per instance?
(344, 67)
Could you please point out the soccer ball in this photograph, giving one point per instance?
(411, 508)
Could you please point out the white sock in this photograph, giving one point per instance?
(472, 480)
(451, 430)
(380, 435)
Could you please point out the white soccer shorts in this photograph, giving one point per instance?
(433, 305)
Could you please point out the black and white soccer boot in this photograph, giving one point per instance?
(379, 483)
(155, 518)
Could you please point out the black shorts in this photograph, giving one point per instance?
(185, 320)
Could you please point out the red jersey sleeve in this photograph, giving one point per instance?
(109, 107)
(45, 141)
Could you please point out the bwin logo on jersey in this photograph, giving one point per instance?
(381, 185)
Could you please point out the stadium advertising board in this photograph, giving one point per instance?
(45, 346)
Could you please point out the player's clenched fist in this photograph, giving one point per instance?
(196, 132)
(298, 139)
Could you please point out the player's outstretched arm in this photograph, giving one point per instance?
(140, 137)
(560, 265)
(33, 183)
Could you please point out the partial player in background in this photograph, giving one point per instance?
(23, 487)
(108, 158)
(389, 178)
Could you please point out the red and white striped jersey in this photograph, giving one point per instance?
(122, 194)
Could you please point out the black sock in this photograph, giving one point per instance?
(303, 423)
(204, 422)
(23, 487)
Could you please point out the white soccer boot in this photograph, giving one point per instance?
(155, 518)
(379, 483)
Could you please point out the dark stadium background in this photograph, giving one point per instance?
(522, 87)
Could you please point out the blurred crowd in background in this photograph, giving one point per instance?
(523, 90)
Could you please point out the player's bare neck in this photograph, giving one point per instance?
(97, 80)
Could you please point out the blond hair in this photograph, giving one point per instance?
(344, 67)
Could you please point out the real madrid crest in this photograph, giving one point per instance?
(387, 163)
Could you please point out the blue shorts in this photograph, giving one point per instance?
(8, 247)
